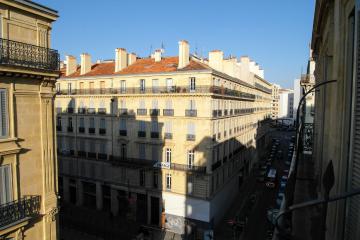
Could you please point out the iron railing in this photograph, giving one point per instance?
(14, 53)
(18, 210)
(160, 90)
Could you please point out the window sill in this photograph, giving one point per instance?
(10, 139)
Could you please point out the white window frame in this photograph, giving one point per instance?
(168, 181)
(192, 84)
(168, 155)
(190, 158)
(122, 86)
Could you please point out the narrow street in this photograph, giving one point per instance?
(255, 208)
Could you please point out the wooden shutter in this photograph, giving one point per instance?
(5, 184)
(3, 113)
(353, 214)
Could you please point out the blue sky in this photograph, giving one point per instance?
(276, 34)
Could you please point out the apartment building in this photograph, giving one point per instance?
(286, 104)
(164, 141)
(28, 165)
(335, 44)
(275, 101)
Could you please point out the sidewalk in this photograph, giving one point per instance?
(223, 230)
(303, 221)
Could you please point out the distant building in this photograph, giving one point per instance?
(286, 103)
(28, 163)
(297, 96)
(172, 137)
(275, 106)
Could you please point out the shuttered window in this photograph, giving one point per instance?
(3, 114)
(5, 184)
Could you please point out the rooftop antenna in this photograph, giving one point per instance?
(150, 50)
(162, 48)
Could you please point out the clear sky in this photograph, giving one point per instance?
(276, 34)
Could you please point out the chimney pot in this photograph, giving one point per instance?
(85, 63)
(71, 65)
(216, 58)
(157, 55)
(121, 60)
(184, 54)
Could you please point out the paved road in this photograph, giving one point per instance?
(257, 224)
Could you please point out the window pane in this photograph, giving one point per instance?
(3, 113)
(5, 184)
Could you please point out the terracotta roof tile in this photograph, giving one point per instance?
(145, 65)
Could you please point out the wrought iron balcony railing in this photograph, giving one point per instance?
(18, 210)
(190, 112)
(14, 53)
(168, 112)
(161, 90)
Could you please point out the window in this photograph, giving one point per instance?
(142, 153)
(122, 86)
(192, 105)
(122, 124)
(92, 122)
(190, 181)
(123, 151)
(142, 178)
(103, 145)
(169, 85)
(190, 158)
(3, 114)
(58, 87)
(142, 126)
(142, 85)
(58, 122)
(5, 184)
(102, 123)
(168, 181)
(155, 153)
(168, 155)
(142, 104)
(155, 126)
(168, 127)
(155, 179)
(70, 124)
(168, 104)
(102, 87)
(155, 85)
(192, 84)
(70, 88)
(81, 122)
(191, 128)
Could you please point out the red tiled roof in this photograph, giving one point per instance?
(145, 65)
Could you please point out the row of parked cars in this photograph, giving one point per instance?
(273, 212)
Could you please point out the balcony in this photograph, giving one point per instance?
(70, 129)
(101, 111)
(70, 110)
(102, 131)
(102, 156)
(81, 110)
(25, 55)
(91, 155)
(166, 90)
(142, 111)
(190, 113)
(141, 134)
(168, 112)
(123, 133)
(59, 128)
(168, 136)
(81, 130)
(92, 130)
(19, 210)
(154, 112)
(154, 134)
(214, 113)
(225, 112)
(190, 137)
(219, 113)
(81, 153)
(91, 110)
(188, 168)
(123, 111)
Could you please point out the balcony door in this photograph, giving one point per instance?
(5, 184)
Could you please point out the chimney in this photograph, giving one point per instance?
(85, 63)
(216, 58)
(71, 65)
(157, 55)
(184, 54)
(131, 58)
(120, 59)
